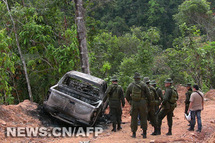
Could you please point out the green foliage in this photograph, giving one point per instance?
(191, 11)
(7, 69)
(205, 88)
(124, 37)
(48, 44)
(127, 69)
(155, 12)
(119, 16)
(199, 13)
(138, 44)
(104, 47)
(106, 67)
(194, 59)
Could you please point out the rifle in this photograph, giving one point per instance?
(158, 110)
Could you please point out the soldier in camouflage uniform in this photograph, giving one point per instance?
(151, 108)
(116, 98)
(159, 98)
(168, 105)
(187, 101)
(138, 96)
(188, 93)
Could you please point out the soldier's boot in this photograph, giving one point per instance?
(169, 132)
(144, 134)
(114, 127)
(119, 126)
(134, 135)
(155, 132)
(158, 131)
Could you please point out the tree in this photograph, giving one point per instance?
(119, 16)
(197, 12)
(81, 30)
(20, 53)
(199, 56)
(49, 46)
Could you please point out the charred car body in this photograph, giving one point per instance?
(78, 99)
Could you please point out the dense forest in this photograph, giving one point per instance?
(158, 38)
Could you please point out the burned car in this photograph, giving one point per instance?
(78, 99)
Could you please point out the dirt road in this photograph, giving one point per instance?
(26, 114)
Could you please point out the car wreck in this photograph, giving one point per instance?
(78, 99)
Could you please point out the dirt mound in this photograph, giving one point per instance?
(181, 95)
(15, 115)
(210, 94)
(25, 114)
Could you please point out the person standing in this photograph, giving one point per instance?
(187, 100)
(196, 106)
(115, 96)
(159, 97)
(168, 105)
(151, 108)
(138, 96)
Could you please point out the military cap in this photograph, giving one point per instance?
(168, 80)
(114, 78)
(146, 79)
(137, 75)
(153, 82)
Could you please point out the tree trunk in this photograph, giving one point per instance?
(81, 30)
(20, 52)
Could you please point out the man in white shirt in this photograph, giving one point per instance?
(195, 107)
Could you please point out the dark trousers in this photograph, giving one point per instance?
(139, 108)
(195, 114)
(186, 108)
(152, 117)
(162, 114)
(115, 115)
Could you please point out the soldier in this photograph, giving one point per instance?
(151, 108)
(188, 93)
(116, 98)
(187, 101)
(138, 96)
(159, 98)
(168, 105)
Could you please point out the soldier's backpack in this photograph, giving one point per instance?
(114, 93)
(174, 96)
(136, 92)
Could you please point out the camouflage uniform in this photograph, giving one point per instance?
(151, 114)
(159, 97)
(167, 108)
(138, 107)
(151, 108)
(187, 101)
(116, 98)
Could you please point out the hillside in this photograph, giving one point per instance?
(27, 114)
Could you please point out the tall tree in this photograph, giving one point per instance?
(199, 13)
(81, 30)
(20, 52)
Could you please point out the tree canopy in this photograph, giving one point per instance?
(157, 38)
